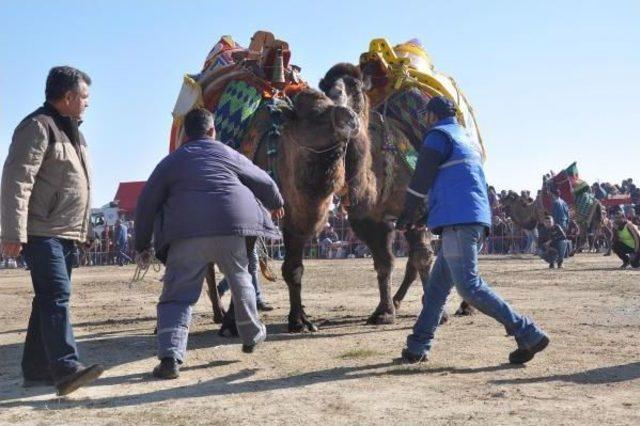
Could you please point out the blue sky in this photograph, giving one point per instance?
(551, 82)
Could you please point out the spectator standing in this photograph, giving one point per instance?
(560, 210)
(46, 187)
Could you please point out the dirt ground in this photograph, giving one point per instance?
(345, 373)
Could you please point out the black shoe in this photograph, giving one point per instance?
(560, 266)
(521, 356)
(624, 265)
(169, 368)
(264, 307)
(83, 376)
(248, 349)
(551, 266)
(411, 358)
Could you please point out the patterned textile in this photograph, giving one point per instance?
(222, 53)
(264, 129)
(407, 107)
(564, 183)
(234, 111)
(585, 207)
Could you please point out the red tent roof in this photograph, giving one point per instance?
(127, 196)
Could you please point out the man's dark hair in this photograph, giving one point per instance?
(62, 79)
(197, 123)
(442, 107)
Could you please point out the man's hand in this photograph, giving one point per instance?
(277, 213)
(11, 249)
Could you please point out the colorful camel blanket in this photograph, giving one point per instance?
(585, 207)
(237, 85)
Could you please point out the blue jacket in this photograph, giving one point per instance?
(458, 194)
(561, 213)
(205, 188)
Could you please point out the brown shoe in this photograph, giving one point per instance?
(83, 376)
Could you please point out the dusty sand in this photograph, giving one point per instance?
(344, 374)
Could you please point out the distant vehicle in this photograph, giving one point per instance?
(103, 216)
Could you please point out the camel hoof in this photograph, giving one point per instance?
(302, 327)
(381, 319)
(464, 311)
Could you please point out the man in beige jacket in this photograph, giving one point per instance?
(45, 212)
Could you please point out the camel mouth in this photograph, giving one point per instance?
(345, 121)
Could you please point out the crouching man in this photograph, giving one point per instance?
(553, 243)
(200, 203)
(626, 241)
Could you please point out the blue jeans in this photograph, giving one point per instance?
(223, 285)
(457, 264)
(50, 349)
(559, 250)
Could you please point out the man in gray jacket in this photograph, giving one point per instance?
(200, 204)
(45, 211)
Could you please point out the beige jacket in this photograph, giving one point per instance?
(46, 181)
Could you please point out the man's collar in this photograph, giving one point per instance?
(48, 106)
(199, 139)
(447, 120)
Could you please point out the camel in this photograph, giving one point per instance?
(528, 215)
(311, 144)
(389, 178)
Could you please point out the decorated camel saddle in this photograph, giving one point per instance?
(401, 81)
(243, 88)
(575, 191)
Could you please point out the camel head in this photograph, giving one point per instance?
(344, 85)
(324, 124)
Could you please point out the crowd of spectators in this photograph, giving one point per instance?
(113, 244)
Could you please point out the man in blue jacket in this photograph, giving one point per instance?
(560, 210)
(449, 171)
(200, 204)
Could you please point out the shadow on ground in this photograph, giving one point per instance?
(238, 383)
(596, 376)
(125, 346)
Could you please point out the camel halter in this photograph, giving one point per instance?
(342, 142)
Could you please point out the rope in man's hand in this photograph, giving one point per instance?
(143, 262)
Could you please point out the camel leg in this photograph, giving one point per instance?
(419, 263)
(378, 236)
(465, 309)
(214, 296)
(410, 275)
(292, 270)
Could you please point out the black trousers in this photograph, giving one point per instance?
(626, 254)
